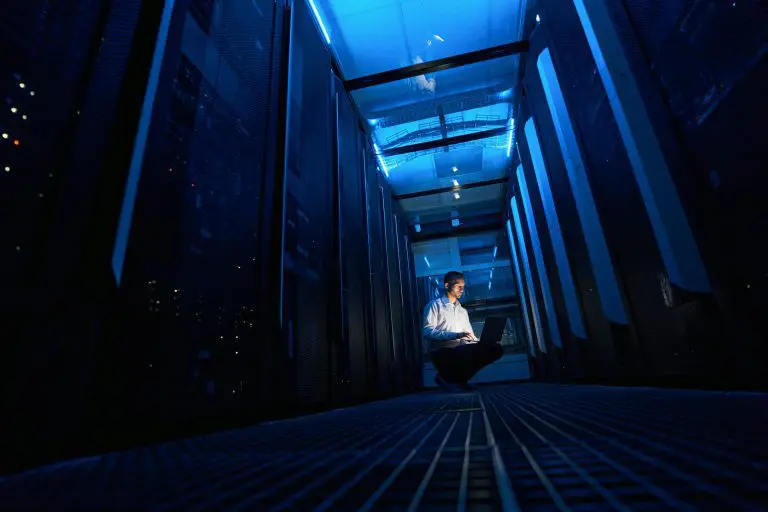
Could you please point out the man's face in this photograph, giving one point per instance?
(455, 288)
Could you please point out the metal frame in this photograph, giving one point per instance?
(434, 191)
(435, 66)
(444, 143)
(485, 227)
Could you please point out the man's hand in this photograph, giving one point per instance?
(467, 336)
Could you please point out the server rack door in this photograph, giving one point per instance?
(402, 281)
(62, 72)
(414, 315)
(391, 252)
(380, 274)
(353, 255)
(308, 260)
(380, 347)
(367, 166)
(185, 252)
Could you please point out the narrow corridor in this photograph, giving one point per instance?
(510, 447)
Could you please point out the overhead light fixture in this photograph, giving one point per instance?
(381, 160)
(320, 21)
(22, 85)
(373, 122)
(427, 262)
(456, 195)
(455, 223)
(455, 169)
(439, 38)
(455, 183)
(538, 19)
(417, 227)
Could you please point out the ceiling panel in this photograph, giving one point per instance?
(372, 36)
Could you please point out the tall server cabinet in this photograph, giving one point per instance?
(308, 282)
(350, 341)
(187, 333)
(63, 68)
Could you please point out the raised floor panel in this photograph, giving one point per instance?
(508, 447)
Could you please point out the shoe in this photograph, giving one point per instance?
(442, 383)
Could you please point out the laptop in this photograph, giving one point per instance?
(493, 329)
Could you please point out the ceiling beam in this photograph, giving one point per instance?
(435, 271)
(437, 65)
(462, 230)
(435, 191)
(441, 143)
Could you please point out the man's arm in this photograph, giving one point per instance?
(468, 326)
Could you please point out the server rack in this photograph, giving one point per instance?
(215, 312)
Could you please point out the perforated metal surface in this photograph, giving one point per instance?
(521, 447)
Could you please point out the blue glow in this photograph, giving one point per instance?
(528, 276)
(555, 233)
(417, 227)
(372, 36)
(427, 262)
(597, 247)
(381, 160)
(520, 288)
(669, 221)
(139, 146)
(511, 136)
(495, 251)
(538, 254)
(320, 21)
(489, 285)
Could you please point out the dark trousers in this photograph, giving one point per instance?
(459, 364)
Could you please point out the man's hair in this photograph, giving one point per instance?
(452, 277)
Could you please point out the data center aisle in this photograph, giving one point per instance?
(514, 447)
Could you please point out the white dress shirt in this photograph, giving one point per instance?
(444, 322)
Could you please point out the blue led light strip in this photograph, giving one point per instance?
(139, 145)
(597, 247)
(528, 276)
(320, 21)
(669, 221)
(555, 233)
(520, 288)
(382, 165)
(538, 255)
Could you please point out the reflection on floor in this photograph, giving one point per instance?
(514, 447)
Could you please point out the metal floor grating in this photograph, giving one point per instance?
(531, 447)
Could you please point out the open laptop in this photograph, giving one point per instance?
(493, 329)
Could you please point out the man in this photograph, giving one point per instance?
(449, 337)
